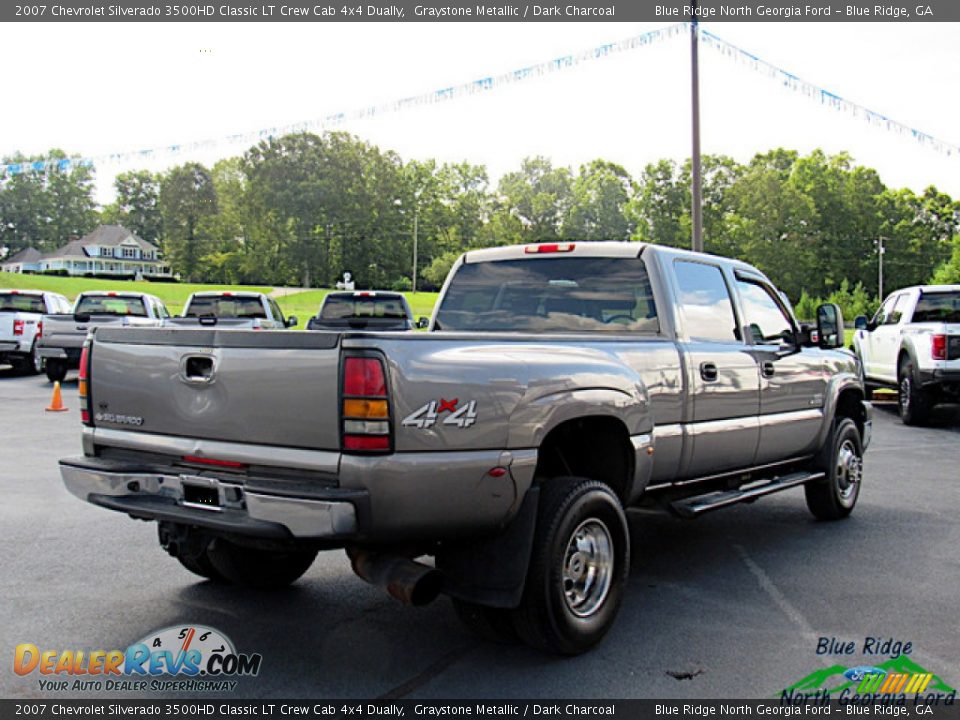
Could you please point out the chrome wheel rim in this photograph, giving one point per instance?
(848, 472)
(588, 567)
(36, 359)
(905, 395)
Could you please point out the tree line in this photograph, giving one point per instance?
(303, 208)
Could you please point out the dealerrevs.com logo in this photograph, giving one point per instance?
(190, 658)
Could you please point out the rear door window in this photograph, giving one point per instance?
(705, 304)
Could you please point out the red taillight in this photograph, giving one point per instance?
(18, 327)
(363, 377)
(111, 294)
(938, 347)
(40, 329)
(83, 385)
(365, 407)
(549, 248)
(213, 461)
(366, 442)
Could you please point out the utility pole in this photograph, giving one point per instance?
(696, 190)
(416, 218)
(880, 251)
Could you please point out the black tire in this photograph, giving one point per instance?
(841, 458)
(189, 547)
(912, 401)
(256, 568)
(36, 362)
(549, 618)
(489, 623)
(56, 370)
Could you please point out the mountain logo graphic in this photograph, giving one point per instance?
(900, 674)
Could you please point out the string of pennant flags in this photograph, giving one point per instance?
(824, 97)
(489, 83)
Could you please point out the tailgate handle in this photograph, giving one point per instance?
(197, 368)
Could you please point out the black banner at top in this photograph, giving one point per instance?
(480, 11)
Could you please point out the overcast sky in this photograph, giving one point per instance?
(101, 88)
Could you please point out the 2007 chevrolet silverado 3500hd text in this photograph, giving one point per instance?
(559, 384)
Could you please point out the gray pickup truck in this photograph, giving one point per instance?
(232, 310)
(558, 385)
(64, 333)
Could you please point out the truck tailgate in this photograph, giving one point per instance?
(218, 384)
(6, 325)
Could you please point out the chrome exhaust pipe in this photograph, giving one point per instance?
(410, 582)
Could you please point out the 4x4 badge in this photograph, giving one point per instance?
(429, 415)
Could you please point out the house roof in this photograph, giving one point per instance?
(71, 249)
(27, 255)
(112, 236)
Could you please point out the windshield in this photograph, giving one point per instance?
(226, 306)
(15, 302)
(348, 307)
(938, 307)
(571, 294)
(111, 305)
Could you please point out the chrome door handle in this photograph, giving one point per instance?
(767, 369)
(708, 371)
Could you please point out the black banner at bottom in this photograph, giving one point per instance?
(485, 709)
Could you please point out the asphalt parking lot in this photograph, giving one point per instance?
(728, 606)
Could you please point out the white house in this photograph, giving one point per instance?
(108, 250)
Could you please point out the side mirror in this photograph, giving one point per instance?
(422, 322)
(292, 321)
(860, 322)
(830, 325)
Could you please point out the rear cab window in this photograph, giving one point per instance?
(112, 305)
(943, 307)
(340, 307)
(226, 306)
(562, 295)
(19, 302)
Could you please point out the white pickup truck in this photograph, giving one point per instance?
(913, 344)
(21, 325)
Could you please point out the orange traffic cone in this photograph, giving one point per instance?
(56, 404)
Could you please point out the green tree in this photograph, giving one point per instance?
(43, 208)
(137, 205)
(539, 196)
(598, 201)
(187, 199)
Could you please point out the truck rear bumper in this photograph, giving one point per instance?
(6, 347)
(211, 503)
(59, 353)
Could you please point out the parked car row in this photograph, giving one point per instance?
(42, 331)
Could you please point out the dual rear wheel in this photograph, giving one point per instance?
(577, 574)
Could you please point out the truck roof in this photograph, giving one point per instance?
(18, 291)
(602, 248)
(228, 293)
(566, 249)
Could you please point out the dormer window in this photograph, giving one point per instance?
(129, 252)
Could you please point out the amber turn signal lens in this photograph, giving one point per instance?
(355, 408)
